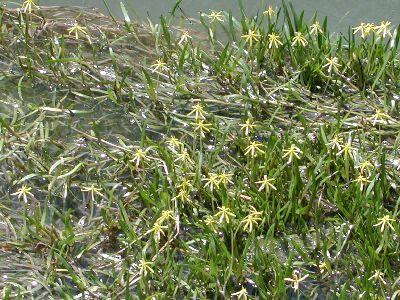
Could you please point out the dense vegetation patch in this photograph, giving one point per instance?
(247, 158)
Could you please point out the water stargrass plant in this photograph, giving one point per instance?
(248, 157)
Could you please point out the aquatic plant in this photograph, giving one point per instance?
(250, 157)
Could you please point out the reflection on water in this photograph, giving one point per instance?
(342, 13)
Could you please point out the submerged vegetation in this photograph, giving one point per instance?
(250, 157)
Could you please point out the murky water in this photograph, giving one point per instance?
(341, 13)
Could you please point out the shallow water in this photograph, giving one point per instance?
(341, 13)
(113, 121)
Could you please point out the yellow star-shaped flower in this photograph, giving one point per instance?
(251, 36)
(76, 30)
(274, 40)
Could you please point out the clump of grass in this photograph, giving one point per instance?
(255, 159)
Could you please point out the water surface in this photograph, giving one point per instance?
(341, 13)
